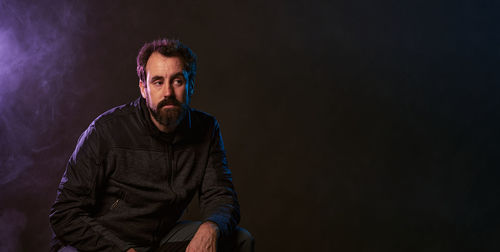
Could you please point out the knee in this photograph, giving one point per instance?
(67, 249)
(243, 234)
(244, 239)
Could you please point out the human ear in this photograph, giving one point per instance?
(142, 87)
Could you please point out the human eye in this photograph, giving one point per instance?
(178, 81)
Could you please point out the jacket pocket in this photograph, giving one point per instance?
(118, 202)
(112, 202)
(115, 204)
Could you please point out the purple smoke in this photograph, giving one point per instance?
(36, 49)
(39, 45)
(12, 223)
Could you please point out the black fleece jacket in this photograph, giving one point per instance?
(127, 183)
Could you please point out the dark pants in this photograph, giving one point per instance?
(181, 234)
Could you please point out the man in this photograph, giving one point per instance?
(137, 166)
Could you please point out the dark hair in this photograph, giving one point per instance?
(168, 48)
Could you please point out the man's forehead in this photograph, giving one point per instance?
(158, 62)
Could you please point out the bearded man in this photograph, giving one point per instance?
(137, 166)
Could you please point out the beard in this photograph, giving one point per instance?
(170, 117)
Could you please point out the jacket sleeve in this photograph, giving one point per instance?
(70, 216)
(218, 198)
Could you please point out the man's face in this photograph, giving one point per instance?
(166, 90)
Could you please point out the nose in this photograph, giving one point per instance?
(168, 90)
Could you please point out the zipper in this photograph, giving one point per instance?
(170, 165)
(171, 159)
(155, 234)
(168, 172)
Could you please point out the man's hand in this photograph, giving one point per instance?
(205, 239)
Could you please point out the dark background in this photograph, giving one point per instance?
(350, 125)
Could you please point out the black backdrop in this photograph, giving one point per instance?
(350, 125)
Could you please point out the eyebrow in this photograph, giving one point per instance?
(156, 77)
(177, 75)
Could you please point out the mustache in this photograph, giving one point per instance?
(171, 100)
